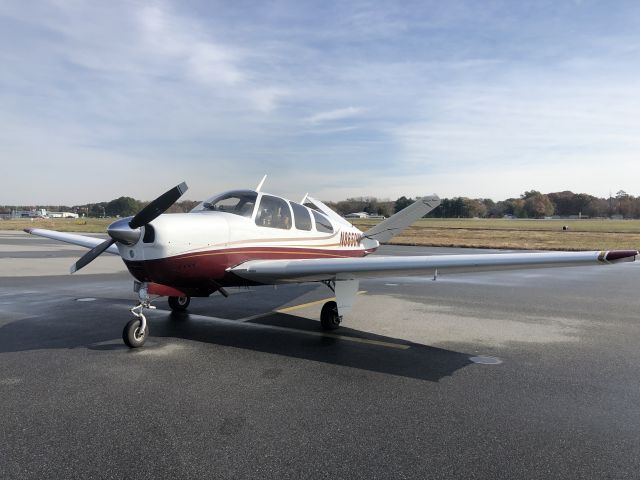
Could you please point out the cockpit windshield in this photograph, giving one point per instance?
(240, 202)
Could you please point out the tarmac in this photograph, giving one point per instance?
(530, 374)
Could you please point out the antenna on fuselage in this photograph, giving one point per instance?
(261, 183)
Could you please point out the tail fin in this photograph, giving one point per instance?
(392, 226)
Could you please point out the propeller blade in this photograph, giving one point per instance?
(158, 206)
(119, 231)
(91, 255)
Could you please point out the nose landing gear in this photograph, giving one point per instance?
(136, 331)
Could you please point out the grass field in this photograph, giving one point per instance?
(85, 225)
(476, 233)
(520, 234)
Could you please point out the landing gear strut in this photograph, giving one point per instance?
(137, 330)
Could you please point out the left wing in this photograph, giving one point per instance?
(75, 239)
(320, 269)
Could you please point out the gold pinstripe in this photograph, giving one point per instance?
(262, 251)
(271, 240)
(268, 240)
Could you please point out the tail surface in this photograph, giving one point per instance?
(392, 226)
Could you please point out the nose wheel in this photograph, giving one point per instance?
(136, 331)
(134, 334)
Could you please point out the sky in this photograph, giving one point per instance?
(338, 99)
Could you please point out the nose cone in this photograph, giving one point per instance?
(121, 232)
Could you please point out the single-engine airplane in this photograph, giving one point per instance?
(247, 237)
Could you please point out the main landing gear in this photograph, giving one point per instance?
(179, 304)
(329, 317)
(332, 311)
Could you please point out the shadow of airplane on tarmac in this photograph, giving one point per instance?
(97, 325)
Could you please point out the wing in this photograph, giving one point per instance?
(81, 240)
(314, 270)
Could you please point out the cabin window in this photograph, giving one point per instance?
(301, 216)
(322, 223)
(273, 212)
(238, 203)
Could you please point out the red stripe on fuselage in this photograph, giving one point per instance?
(198, 269)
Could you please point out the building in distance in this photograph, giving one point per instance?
(39, 213)
(363, 215)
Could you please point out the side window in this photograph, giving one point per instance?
(273, 212)
(301, 216)
(322, 223)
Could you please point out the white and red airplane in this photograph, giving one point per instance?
(247, 237)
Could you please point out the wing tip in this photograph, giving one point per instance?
(28, 230)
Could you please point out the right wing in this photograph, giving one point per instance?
(327, 269)
(81, 240)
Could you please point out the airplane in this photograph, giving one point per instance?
(248, 237)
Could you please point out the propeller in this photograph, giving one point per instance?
(127, 230)
(158, 206)
(91, 255)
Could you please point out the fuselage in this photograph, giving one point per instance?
(192, 251)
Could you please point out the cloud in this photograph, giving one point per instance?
(202, 60)
(334, 115)
(345, 98)
(266, 99)
(565, 119)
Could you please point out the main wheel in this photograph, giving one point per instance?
(179, 304)
(329, 318)
(132, 335)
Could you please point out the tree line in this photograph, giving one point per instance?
(119, 207)
(531, 204)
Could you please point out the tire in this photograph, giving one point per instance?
(131, 334)
(329, 318)
(179, 304)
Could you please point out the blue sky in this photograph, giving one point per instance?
(482, 99)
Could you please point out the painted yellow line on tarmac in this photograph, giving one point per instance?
(303, 305)
(310, 304)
